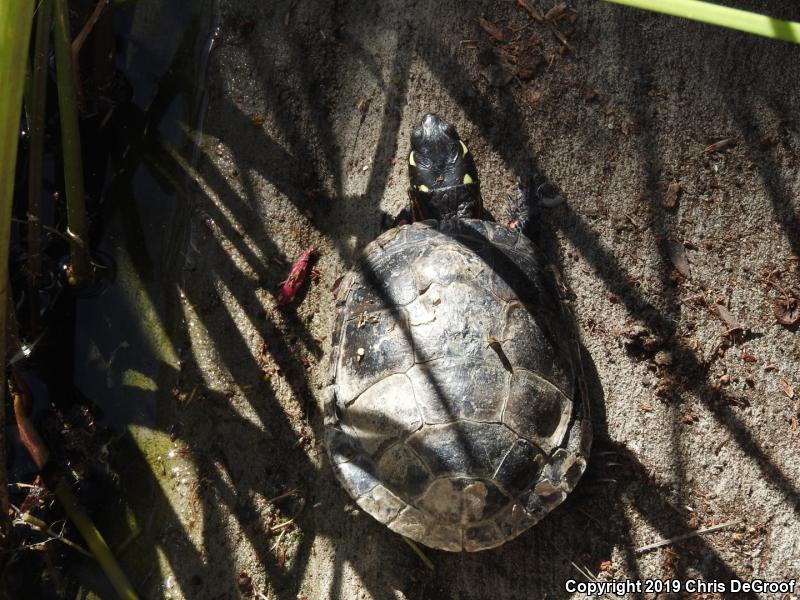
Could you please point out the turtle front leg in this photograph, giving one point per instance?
(469, 210)
(526, 206)
(522, 210)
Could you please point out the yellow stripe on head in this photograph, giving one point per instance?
(467, 179)
(464, 147)
(423, 188)
(411, 159)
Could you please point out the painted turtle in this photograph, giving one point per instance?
(458, 415)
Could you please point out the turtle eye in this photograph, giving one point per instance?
(422, 161)
(454, 153)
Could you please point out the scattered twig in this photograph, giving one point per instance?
(721, 145)
(590, 517)
(28, 435)
(554, 13)
(278, 543)
(291, 492)
(280, 526)
(685, 536)
(557, 32)
(548, 19)
(588, 574)
(80, 40)
(136, 532)
(39, 525)
(492, 29)
(418, 551)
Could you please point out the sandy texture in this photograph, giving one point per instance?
(696, 425)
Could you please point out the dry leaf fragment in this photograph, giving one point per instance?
(492, 29)
(730, 322)
(721, 145)
(534, 12)
(529, 66)
(677, 254)
(590, 94)
(362, 105)
(555, 12)
(670, 199)
(788, 389)
(664, 358)
(535, 95)
(787, 311)
(281, 556)
(748, 356)
(607, 566)
(770, 139)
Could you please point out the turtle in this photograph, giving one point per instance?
(457, 413)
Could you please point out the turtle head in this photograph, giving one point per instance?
(444, 181)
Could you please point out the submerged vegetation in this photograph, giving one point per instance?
(28, 267)
(75, 145)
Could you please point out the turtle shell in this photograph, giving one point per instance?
(458, 416)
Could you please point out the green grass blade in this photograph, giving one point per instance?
(95, 541)
(714, 14)
(71, 144)
(15, 33)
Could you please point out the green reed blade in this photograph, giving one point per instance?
(714, 14)
(71, 145)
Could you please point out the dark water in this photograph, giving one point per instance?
(115, 347)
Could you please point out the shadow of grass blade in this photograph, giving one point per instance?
(722, 16)
(15, 32)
